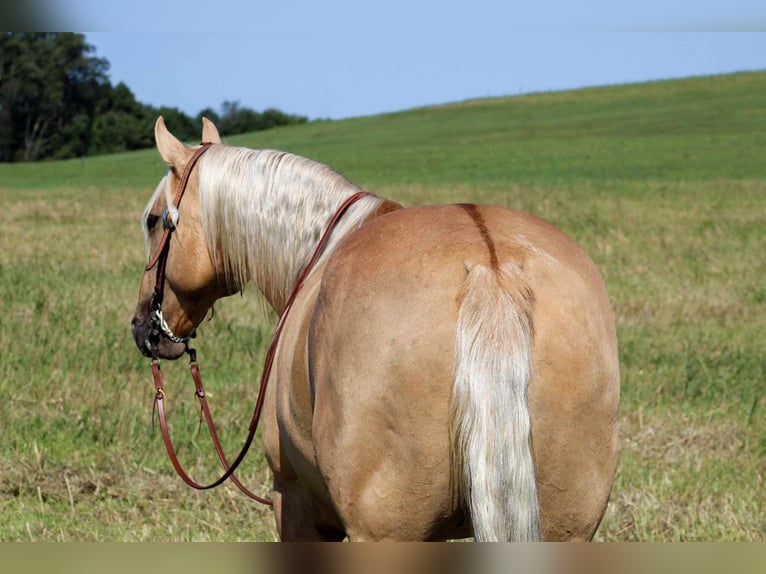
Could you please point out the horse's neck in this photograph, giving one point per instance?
(282, 208)
(287, 245)
(300, 242)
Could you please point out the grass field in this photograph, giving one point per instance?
(664, 184)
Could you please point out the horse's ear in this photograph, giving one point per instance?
(210, 132)
(173, 152)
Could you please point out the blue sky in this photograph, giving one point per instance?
(335, 59)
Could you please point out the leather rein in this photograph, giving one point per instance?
(160, 328)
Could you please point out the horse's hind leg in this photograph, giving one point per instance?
(298, 516)
(384, 486)
(394, 504)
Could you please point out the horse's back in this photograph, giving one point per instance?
(382, 352)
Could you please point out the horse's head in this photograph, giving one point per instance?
(180, 282)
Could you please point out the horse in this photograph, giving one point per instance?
(444, 372)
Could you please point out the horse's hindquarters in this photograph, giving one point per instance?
(573, 401)
(574, 391)
(381, 355)
(363, 435)
(381, 350)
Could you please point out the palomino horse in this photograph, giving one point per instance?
(445, 371)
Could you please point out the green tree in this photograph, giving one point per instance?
(210, 114)
(234, 119)
(120, 123)
(56, 102)
(50, 84)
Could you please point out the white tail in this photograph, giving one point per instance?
(490, 415)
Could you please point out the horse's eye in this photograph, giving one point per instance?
(151, 221)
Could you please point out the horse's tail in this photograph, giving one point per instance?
(492, 453)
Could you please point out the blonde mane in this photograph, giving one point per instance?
(264, 211)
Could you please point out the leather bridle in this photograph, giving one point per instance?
(158, 328)
(169, 218)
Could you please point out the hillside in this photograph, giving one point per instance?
(691, 129)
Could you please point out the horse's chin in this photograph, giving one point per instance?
(166, 349)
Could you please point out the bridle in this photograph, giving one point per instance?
(159, 327)
(169, 218)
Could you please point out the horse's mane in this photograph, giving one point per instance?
(263, 212)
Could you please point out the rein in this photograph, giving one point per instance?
(159, 258)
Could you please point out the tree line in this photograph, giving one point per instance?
(57, 102)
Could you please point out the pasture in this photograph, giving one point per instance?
(664, 184)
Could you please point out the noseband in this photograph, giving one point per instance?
(158, 326)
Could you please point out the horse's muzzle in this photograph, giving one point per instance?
(154, 346)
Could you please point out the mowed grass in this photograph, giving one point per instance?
(664, 184)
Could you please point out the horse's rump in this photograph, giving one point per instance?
(420, 321)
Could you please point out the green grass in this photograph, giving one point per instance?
(664, 184)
